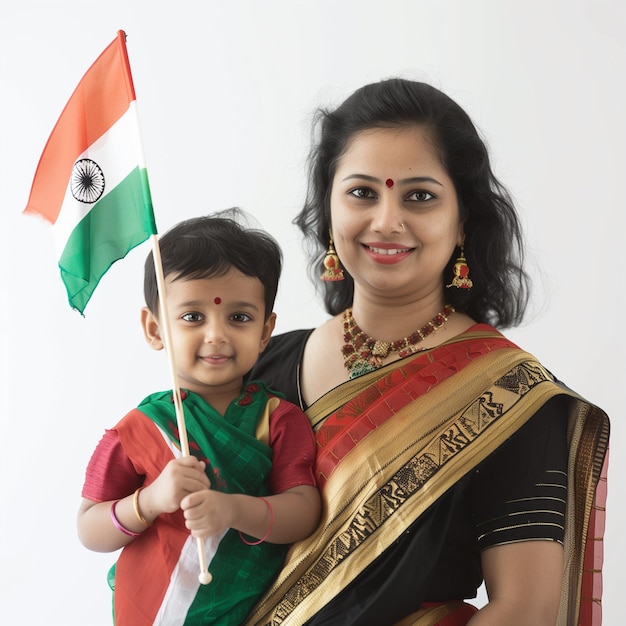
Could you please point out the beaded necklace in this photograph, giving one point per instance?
(362, 353)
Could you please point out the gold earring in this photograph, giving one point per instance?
(332, 271)
(461, 278)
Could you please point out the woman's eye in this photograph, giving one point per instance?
(192, 317)
(420, 196)
(362, 192)
(240, 317)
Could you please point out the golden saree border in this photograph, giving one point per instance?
(263, 427)
(591, 592)
(376, 398)
(397, 468)
(584, 530)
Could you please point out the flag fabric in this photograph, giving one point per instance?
(91, 183)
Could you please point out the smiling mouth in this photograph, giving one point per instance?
(388, 252)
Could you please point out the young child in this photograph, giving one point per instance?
(248, 487)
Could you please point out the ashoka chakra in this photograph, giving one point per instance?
(87, 181)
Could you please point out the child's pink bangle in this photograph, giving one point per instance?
(269, 528)
(117, 524)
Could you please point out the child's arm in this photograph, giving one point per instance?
(294, 514)
(96, 527)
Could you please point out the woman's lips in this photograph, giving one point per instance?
(385, 253)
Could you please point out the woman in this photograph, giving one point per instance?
(446, 454)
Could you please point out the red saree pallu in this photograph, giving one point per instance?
(391, 443)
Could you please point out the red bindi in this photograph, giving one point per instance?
(389, 182)
(217, 300)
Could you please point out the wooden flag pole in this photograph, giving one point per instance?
(164, 325)
(166, 332)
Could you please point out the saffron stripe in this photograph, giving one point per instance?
(85, 118)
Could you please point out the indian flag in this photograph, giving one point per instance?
(91, 183)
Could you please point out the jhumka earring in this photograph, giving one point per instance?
(332, 271)
(461, 278)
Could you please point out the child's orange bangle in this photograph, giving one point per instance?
(140, 517)
(269, 528)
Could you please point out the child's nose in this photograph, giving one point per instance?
(214, 332)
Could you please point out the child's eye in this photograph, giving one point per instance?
(420, 196)
(240, 317)
(362, 192)
(192, 317)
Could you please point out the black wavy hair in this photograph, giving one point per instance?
(210, 246)
(493, 235)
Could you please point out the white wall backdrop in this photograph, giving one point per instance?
(226, 91)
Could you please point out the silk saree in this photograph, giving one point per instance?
(391, 445)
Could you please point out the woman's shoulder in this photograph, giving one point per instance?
(279, 364)
(287, 343)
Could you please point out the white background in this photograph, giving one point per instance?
(226, 91)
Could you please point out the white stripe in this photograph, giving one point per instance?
(184, 582)
(117, 153)
(169, 443)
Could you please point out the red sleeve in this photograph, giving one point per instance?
(110, 474)
(293, 448)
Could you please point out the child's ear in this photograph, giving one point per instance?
(150, 327)
(268, 329)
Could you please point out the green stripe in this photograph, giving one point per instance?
(116, 224)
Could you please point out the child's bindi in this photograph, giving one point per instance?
(389, 183)
(217, 300)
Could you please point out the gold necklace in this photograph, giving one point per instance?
(362, 353)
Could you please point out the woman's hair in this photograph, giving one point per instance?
(493, 236)
(209, 246)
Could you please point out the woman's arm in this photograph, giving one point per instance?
(523, 582)
(285, 517)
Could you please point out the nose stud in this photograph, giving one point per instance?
(402, 228)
